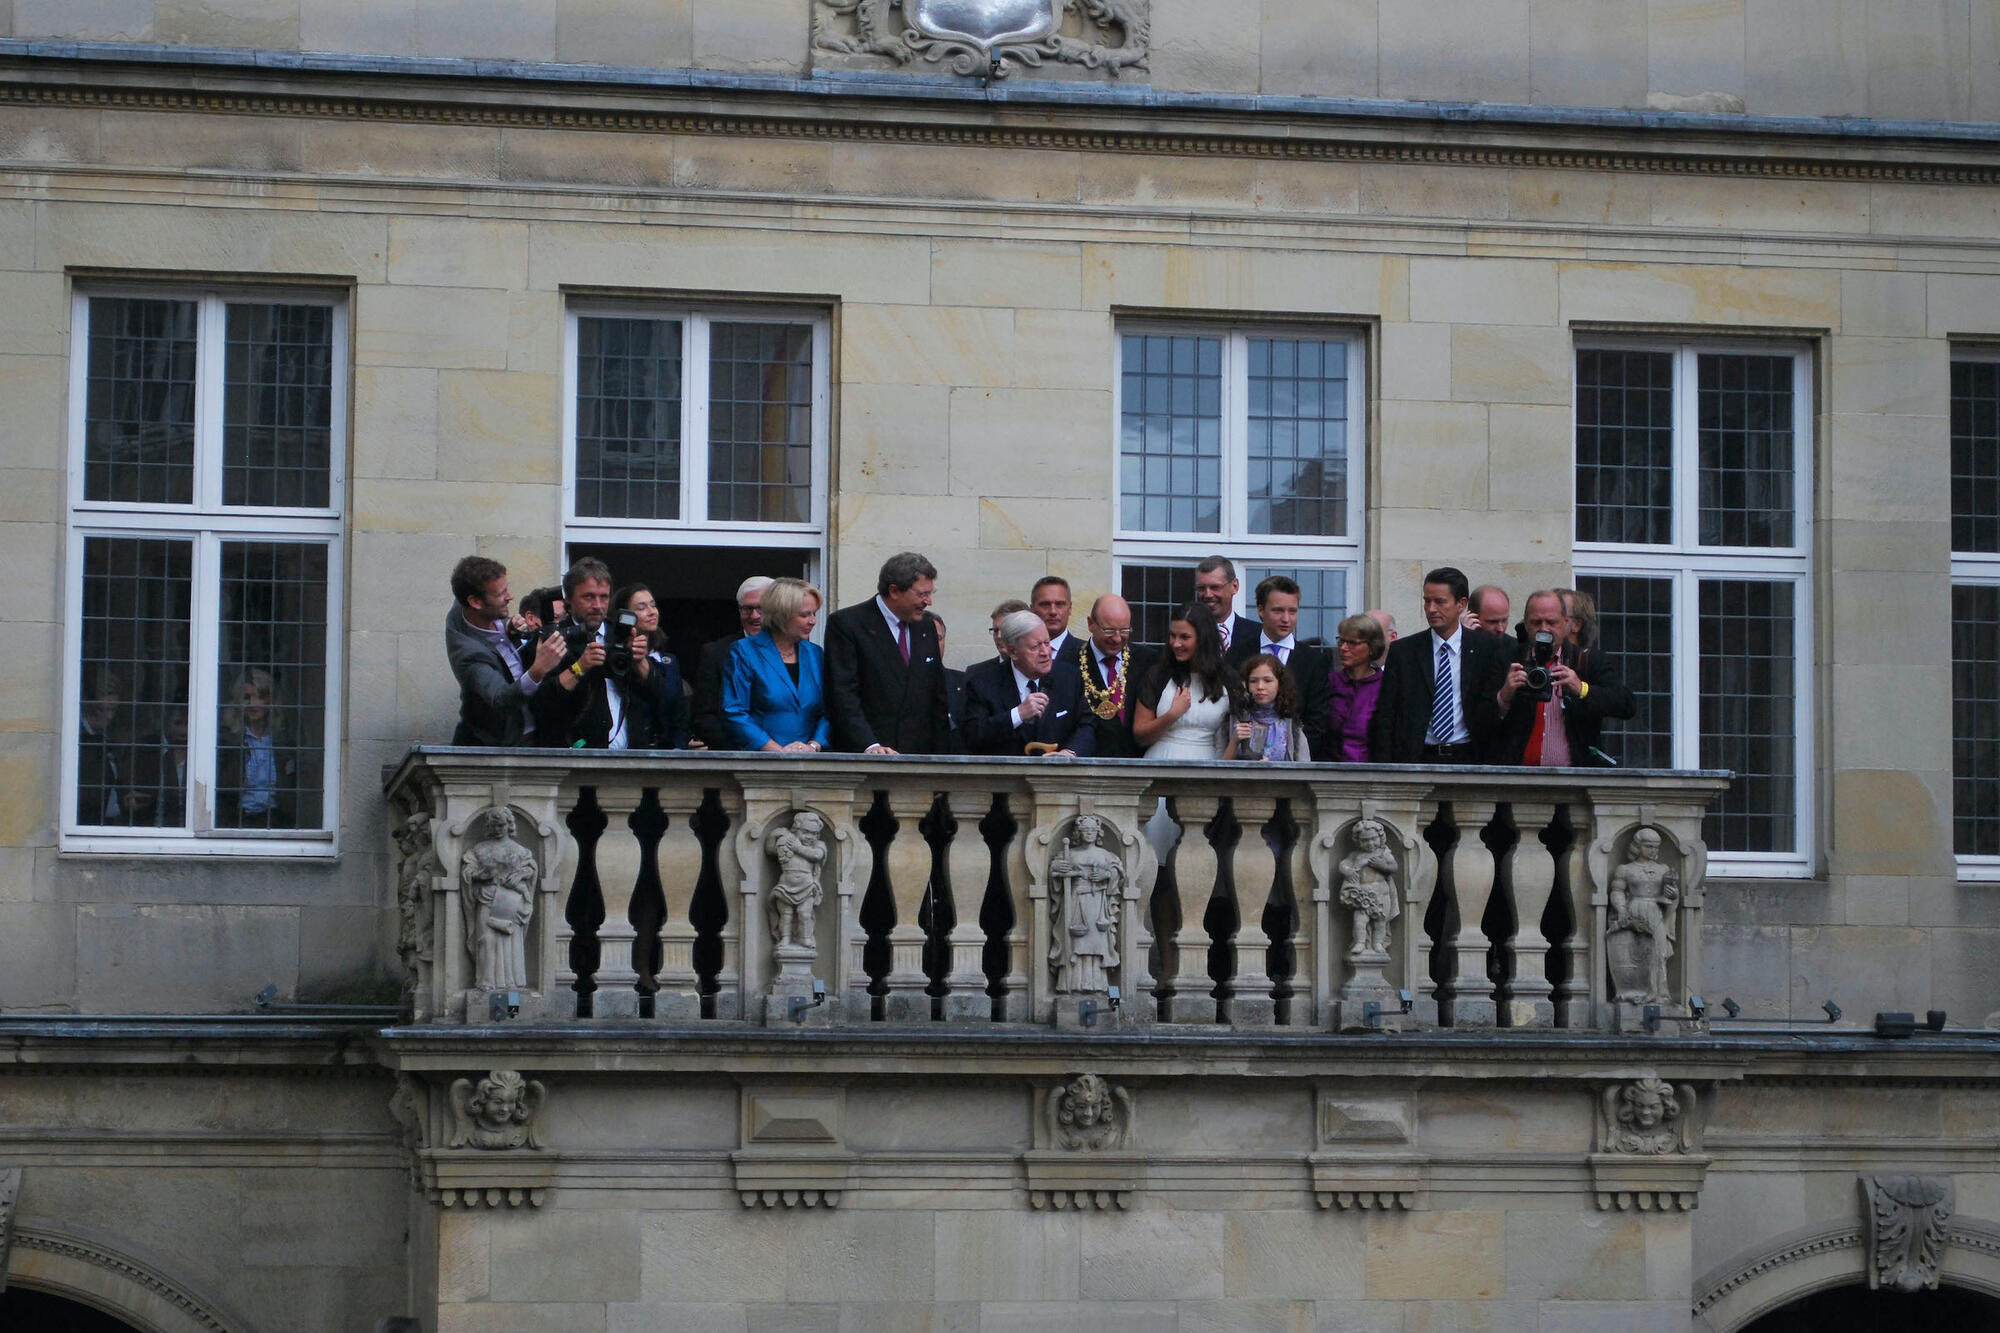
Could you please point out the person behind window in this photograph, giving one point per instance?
(162, 768)
(497, 673)
(602, 697)
(256, 770)
(1353, 687)
(1268, 728)
(1557, 720)
(667, 727)
(1188, 696)
(106, 788)
(711, 731)
(884, 677)
(1580, 609)
(1023, 705)
(774, 686)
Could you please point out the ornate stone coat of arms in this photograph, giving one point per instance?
(983, 36)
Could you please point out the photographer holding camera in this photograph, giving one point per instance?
(607, 692)
(499, 661)
(1558, 695)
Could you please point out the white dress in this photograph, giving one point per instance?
(1202, 732)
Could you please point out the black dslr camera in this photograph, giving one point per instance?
(1540, 683)
(619, 660)
(576, 637)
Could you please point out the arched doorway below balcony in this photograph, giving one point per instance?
(1855, 1309)
(45, 1312)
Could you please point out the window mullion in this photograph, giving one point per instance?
(1687, 450)
(211, 396)
(1236, 439)
(1687, 669)
(204, 676)
(694, 418)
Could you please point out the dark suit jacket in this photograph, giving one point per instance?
(990, 700)
(876, 698)
(563, 717)
(1309, 667)
(760, 702)
(1114, 734)
(1240, 628)
(1403, 709)
(667, 724)
(492, 709)
(954, 695)
(1583, 719)
(706, 713)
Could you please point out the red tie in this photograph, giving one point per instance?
(1112, 683)
(903, 639)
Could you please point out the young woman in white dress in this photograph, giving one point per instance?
(1187, 699)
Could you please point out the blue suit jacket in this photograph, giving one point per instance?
(759, 701)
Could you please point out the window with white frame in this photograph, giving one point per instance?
(1975, 612)
(1692, 509)
(697, 426)
(1245, 442)
(206, 480)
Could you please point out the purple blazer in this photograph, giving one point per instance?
(1352, 704)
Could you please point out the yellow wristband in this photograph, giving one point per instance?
(576, 667)
(1583, 689)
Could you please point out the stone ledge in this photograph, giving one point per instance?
(1664, 1184)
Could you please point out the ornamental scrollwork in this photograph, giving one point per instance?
(988, 38)
(1905, 1230)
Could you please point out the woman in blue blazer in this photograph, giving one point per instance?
(774, 684)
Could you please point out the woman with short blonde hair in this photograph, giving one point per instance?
(774, 682)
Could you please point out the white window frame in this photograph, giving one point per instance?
(1235, 540)
(206, 523)
(1686, 563)
(1975, 568)
(692, 526)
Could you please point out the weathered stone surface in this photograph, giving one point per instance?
(1008, 1256)
(1153, 1255)
(1589, 53)
(1483, 291)
(183, 958)
(1564, 1256)
(1268, 1255)
(1320, 48)
(561, 1254)
(1486, 59)
(1436, 1256)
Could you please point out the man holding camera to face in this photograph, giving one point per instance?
(1557, 695)
(606, 689)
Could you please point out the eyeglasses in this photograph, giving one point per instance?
(743, 610)
(1354, 643)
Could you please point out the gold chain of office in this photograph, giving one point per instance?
(1104, 700)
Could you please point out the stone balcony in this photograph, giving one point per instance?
(542, 887)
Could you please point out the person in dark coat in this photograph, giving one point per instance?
(1022, 705)
(710, 731)
(1565, 729)
(885, 675)
(1277, 636)
(1107, 669)
(1413, 723)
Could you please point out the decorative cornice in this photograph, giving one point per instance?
(1115, 128)
(100, 1256)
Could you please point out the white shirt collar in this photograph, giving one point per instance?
(1455, 642)
(895, 624)
(1020, 680)
(1289, 642)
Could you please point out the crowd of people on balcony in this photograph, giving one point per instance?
(583, 665)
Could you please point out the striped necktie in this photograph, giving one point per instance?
(1441, 698)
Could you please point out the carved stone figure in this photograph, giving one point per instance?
(1648, 1117)
(416, 863)
(1086, 883)
(800, 850)
(406, 1105)
(1905, 1230)
(1088, 1114)
(499, 876)
(981, 37)
(10, 1193)
(498, 1113)
(1639, 935)
(1368, 889)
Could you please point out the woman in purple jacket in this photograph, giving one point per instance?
(1354, 686)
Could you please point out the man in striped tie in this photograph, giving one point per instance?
(1440, 691)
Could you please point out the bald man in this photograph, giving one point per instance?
(1108, 669)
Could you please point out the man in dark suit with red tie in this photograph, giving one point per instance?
(885, 683)
(1107, 670)
(1417, 723)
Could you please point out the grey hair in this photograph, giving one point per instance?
(755, 583)
(1018, 625)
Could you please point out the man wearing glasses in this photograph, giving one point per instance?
(1109, 669)
(709, 731)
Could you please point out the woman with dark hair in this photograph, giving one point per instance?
(1188, 697)
(666, 704)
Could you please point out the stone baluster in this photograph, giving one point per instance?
(1529, 1002)
(679, 994)
(618, 854)
(648, 911)
(1194, 876)
(1572, 994)
(1254, 870)
(1470, 1001)
(908, 1000)
(969, 862)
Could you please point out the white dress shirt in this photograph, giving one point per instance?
(1460, 733)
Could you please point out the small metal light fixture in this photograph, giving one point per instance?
(796, 1006)
(1832, 1011)
(502, 1005)
(1731, 1008)
(1114, 998)
(1371, 1010)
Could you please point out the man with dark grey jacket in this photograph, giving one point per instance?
(494, 683)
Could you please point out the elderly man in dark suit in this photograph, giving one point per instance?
(885, 673)
(1277, 635)
(1416, 721)
(1021, 704)
(1107, 670)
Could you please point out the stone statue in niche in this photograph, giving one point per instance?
(1905, 1230)
(499, 1112)
(801, 850)
(1087, 1114)
(1648, 1117)
(1086, 882)
(1368, 890)
(416, 862)
(499, 877)
(1639, 934)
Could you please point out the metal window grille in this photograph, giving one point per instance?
(760, 423)
(1975, 457)
(130, 769)
(1748, 656)
(1624, 446)
(1170, 433)
(628, 418)
(1975, 719)
(1635, 629)
(139, 401)
(1298, 436)
(277, 430)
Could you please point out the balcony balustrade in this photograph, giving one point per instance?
(782, 890)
